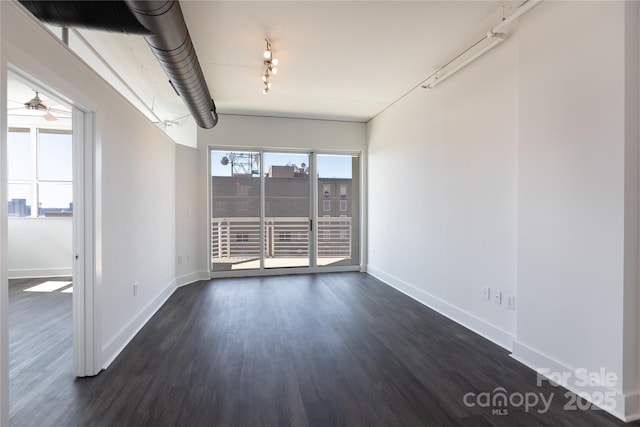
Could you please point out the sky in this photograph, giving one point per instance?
(329, 166)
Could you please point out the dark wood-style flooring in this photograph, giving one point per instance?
(312, 350)
(40, 345)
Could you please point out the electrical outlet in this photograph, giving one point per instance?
(135, 289)
(496, 296)
(511, 302)
(486, 293)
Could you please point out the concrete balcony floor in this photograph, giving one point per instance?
(281, 262)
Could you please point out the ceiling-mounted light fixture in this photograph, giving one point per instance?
(36, 105)
(38, 108)
(270, 63)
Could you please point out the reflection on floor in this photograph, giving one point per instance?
(40, 341)
(50, 286)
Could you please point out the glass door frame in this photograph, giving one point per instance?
(263, 203)
(313, 213)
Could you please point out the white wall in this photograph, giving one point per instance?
(138, 224)
(191, 263)
(255, 132)
(273, 132)
(572, 198)
(134, 183)
(442, 193)
(40, 247)
(525, 180)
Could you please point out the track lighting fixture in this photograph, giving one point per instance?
(270, 63)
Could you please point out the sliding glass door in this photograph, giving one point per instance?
(338, 242)
(235, 211)
(273, 211)
(286, 210)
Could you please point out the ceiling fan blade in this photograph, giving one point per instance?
(60, 112)
(49, 117)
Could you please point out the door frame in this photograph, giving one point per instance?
(86, 338)
(312, 268)
(86, 333)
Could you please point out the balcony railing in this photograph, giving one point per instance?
(284, 237)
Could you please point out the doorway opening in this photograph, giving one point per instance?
(41, 176)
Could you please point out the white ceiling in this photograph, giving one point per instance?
(341, 60)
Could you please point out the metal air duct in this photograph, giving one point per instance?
(162, 24)
(112, 16)
(171, 44)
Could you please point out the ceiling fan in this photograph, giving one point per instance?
(38, 107)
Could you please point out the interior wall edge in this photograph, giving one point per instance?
(4, 244)
(631, 301)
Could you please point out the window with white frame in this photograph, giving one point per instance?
(343, 190)
(40, 172)
(343, 205)
(326, 205)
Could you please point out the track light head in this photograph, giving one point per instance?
(267, 51)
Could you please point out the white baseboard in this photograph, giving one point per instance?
(187, 279)
(624, 407)
(632, 407)
(115, 346)
(464, 318)
(40, 272)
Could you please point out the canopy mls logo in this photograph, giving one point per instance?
(500, 401)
